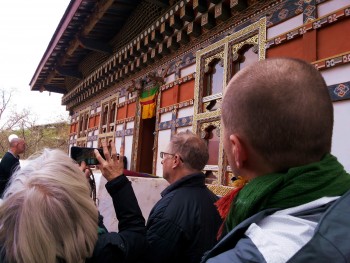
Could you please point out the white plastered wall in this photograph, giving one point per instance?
(340, 142)
(330, 6)
(128, 142)
(163, 140)
(285, 26)
(185, 112)
(95, 142)
(128, 149)
(188, 70)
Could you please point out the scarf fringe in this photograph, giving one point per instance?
(224, 203)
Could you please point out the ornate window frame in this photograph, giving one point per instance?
(227, 51)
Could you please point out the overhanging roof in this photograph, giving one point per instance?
(85, 27)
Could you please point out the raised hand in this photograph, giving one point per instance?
(112, 166)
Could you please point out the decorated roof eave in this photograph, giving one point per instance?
(62, 27)
(71, 42)
(173, 29)
(170, 31)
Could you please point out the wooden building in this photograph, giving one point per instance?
(138, 71)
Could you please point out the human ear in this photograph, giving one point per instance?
(238, 149)
(176, 161)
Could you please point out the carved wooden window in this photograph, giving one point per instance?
(81, 121)
(86, 122)
(105, 114)
(247, 55)
(109, 146)
(112, 113)
(215, 66)
(213, 142)
(213, 78)
(81, 125)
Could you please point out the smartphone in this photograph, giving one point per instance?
(85, 154)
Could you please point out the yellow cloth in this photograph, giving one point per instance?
(148, 111)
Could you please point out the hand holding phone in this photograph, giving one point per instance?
(111, 165)
(85, 154)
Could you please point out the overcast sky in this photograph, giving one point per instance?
(26, 28)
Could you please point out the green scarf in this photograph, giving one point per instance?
(298, 186)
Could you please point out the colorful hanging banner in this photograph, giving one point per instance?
(148, 102)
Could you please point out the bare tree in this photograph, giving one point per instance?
(24, 124)
(5, 100)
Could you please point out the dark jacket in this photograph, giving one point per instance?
(8, 165)
(326, 242)
(184, 223)
(130, 242)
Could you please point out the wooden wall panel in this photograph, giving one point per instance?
(97, 120)
(91, 122)
(309, 46)
(187, 91)
(176, 92)
(167, 98)
(333, 40)
(292, 49)
(121, 113)
(131, 110)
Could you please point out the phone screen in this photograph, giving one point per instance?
(85, 154)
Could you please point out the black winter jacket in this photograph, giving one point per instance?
(130, 242)
(184, 223)
(8, 165)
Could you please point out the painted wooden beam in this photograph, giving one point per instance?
(194, 29)
(208, 21)
(56, 89)
(186, 13)
(238, 5)
(160, 3)
(166, 29)
(200, 5)
(69, 72)
(95, 45)
(176, 22)
(222, 11)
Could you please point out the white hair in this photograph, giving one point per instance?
(47, 213)
(12, 136)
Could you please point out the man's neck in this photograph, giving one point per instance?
(181, 173)
(13, 153)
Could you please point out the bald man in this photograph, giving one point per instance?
(10, 162)
(295, 205)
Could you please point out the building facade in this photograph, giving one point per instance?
(137, 72)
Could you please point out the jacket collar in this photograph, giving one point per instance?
(14, 155)
(191, 180)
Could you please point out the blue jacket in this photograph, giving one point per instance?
(314, 232)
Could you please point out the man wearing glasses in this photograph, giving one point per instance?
(184, 223)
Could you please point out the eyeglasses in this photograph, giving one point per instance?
(162, 155)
